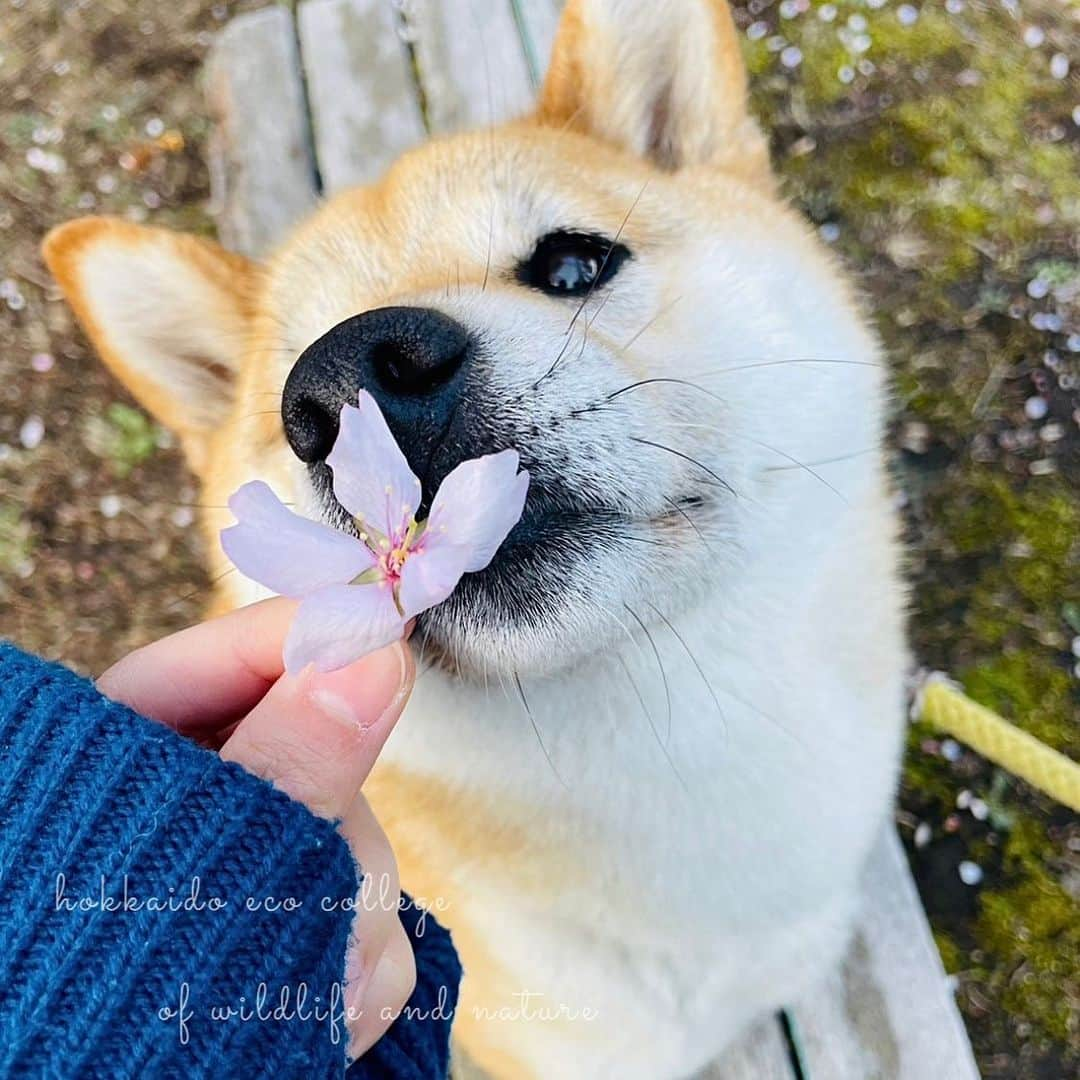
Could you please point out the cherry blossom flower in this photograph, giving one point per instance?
(358, 593)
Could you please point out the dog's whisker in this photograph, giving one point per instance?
(782, 728)
(204, 506)
(659, 663)
(490, 246)
(659, 381)
(491, 131)
(692, 460)
(551, 370)
(826, 461)
(584, 341)
(202, 589)
(652, 726)
(425, 669)
(791, 360)
(599, 308)
(487, 686)
(726, 689)
(607, 257)
(681, 510)
(572, 118)
(637, 691)
(641, 539)
(536, 729)
(650, 324)
(424, 639)
(191, 506)
(693, 660)
(502, 686)
(795, 463)
(690, 384)
(558, 360)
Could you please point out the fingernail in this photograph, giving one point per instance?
(362, 694)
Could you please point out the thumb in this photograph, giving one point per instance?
(316, 736)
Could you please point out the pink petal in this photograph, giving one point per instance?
(372, 479)
(284, 551)
(477, 505)
(429, 576)
(341, 623)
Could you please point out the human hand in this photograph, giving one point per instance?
(316, 738)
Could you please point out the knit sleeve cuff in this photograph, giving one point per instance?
(163, 912)
(417, 1046)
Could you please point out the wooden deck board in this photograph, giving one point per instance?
(761, 1054)
(261, 168)
(537, 21)
(364, 106)
(471, 61)
(888, 1013)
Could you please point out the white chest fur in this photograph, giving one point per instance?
(707, 871)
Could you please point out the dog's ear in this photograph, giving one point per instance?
(662, 78)
(169, 315)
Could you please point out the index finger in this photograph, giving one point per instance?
(208, 676)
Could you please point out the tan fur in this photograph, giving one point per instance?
(441, 837)
(226, 282)
(697, 115)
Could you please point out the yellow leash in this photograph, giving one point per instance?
(939, 703)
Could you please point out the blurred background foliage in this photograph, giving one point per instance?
(935, 146)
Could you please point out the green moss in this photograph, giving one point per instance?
(16, 539)
(1022, 685)
(949, 103)
(948, 157)
(124, 435)
(1030, 928)
(951, 956)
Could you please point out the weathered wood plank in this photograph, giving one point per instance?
(889, 1013)
(365, 109)
(760, 1055)
(260, 161)
(471, 62)
(537, 21)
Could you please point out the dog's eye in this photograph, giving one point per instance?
(570, 264)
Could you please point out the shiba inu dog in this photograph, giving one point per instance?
(661, 730)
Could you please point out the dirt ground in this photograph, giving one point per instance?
(937, 147)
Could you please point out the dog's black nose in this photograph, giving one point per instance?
(408, 359)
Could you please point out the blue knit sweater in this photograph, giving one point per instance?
(136, 871)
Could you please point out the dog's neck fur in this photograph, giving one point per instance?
(597, 828)
(780, 761)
